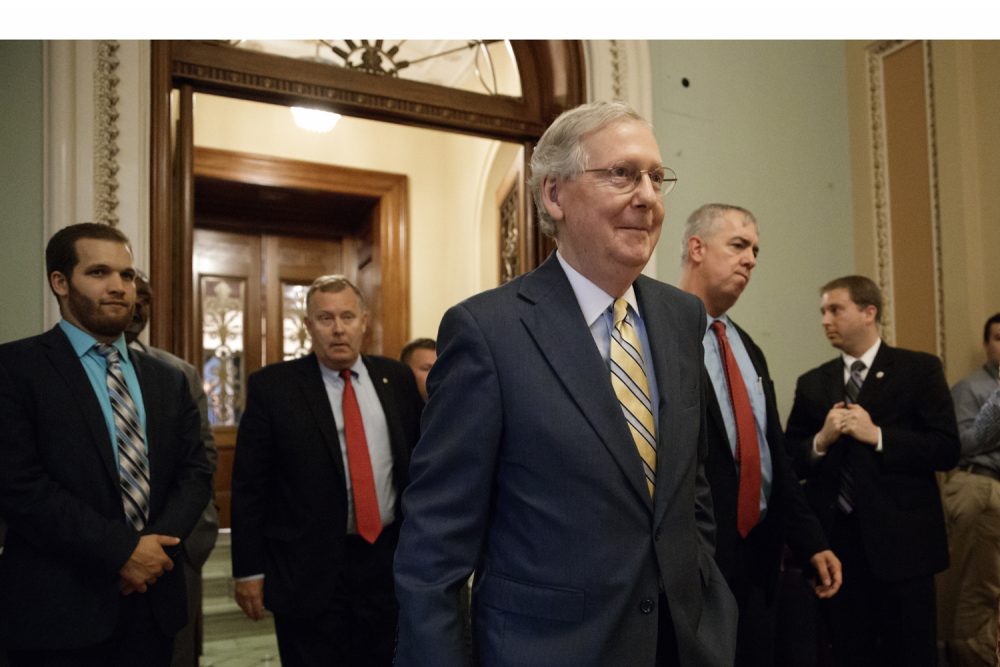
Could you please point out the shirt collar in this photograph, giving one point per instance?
(358, 370)
(868, 357)
(724, 318)
(592, 299)
(83, 342)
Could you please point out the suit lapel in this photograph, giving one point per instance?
(661, 319)
(878, 374)
(384, 391)
(833, 371)
(64, 359)
(318, 402)
(553, 319)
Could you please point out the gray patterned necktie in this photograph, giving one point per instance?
(845, 496)
(133, 464)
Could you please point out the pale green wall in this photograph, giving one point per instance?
(764, 125)
(22, 267)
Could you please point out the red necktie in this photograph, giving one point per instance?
(366, 512)
(747, 448)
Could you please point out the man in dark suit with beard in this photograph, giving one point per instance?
(758, 502)
(322, 458)
(102, 474)
(868, 430)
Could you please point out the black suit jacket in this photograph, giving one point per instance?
(289, 512)
(526, 473)
(757, 558)
(895, 493)
(59, 492)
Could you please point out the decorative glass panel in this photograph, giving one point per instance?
(293, 314)
(480, 66)
(223, 304)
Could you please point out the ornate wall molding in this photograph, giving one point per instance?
(106, 132)
(228, 78)
(877, 53)
(620, 70)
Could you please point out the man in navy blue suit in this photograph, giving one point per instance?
(88, 572)
(562, 448)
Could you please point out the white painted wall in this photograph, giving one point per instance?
(763, 125)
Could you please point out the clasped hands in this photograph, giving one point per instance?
(852, 420)
(146, 564)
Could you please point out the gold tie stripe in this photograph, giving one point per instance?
(628, 379)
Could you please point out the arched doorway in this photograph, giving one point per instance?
(551, 75)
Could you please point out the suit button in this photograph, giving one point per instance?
(647, 606)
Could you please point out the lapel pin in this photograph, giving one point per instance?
(880, 375)
(385, 380)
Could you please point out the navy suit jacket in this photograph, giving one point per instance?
(67, 535)
(758, 557)
(289, 511)
(527, 474)
(895, 493)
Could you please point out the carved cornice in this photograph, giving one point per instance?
(106, 82)
(877, 52)
(228, 78)
(618, 69)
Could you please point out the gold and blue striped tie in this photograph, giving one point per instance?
(628, 378)
(133, 464)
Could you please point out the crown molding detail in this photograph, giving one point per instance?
(106, 98)
(395, 105)
(877, 52)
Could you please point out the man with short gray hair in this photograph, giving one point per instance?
(322, 458)
(756, 495)
(563, 440)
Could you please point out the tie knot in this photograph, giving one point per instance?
(346, 374)
(719, 327)
(109, 352)
(858, 366)
(621, 309)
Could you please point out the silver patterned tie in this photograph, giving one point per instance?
(133, 464)
(845, 496)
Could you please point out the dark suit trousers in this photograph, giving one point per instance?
(137, 640)
(359, 627)
(756, 629)
(876, 622)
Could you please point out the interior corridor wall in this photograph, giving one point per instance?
(763, 125)
(22, 266)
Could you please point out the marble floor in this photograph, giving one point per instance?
(256, 651)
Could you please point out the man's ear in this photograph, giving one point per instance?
(550, 198)
(696, 249)
(59, 283)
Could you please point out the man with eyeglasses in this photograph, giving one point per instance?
(563, 439)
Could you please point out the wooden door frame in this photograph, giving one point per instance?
(552, 80)
(390, 222)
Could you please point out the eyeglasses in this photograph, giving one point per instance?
(625, 178)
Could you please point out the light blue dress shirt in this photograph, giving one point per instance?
(96, 367)
(755, 389)
(598, 311)
(376, 436)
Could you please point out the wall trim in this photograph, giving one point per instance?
(876, 53)
(106, 98)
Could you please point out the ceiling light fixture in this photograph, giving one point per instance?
(314, 120)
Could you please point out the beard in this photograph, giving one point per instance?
(94, 319)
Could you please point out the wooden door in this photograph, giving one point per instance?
(249, 310)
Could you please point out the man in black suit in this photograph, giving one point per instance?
(102, 473)
(869, 429)
(756, 495)
(322, 458)
(199, 544)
